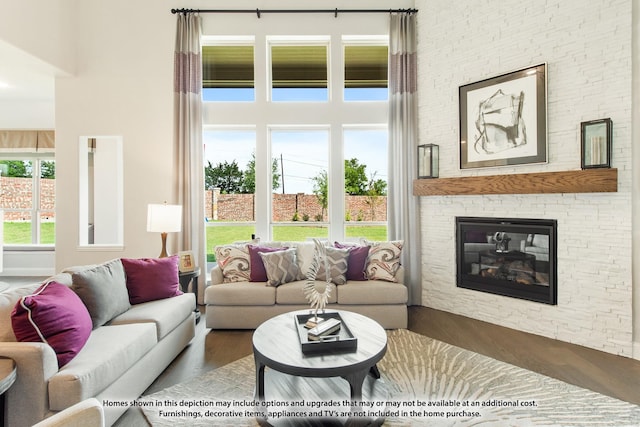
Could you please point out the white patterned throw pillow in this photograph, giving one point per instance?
(233, 260)
(384, 260)
(281, 266)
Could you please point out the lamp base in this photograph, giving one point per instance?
(163, 253)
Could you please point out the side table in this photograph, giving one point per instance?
(186, 277)
(8, 373)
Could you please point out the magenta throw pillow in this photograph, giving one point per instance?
(55, 315)
(357, 261)
(150, 279)
(257, 272)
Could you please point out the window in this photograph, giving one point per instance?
(28, 199)
(304, 141)
(365, 72)
(227, 73)
(230, 179)
(299, 208)
(365, 183)
(299, 73)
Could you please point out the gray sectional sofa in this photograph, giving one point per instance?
(235, 300)
(118, 362)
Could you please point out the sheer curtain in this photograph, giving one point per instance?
(404, 208)
(188, 137)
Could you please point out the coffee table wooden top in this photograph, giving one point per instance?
(277, 344)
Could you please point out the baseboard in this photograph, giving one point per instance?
(636, 350)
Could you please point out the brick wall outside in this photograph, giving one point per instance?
(16, 193)
(240, 207)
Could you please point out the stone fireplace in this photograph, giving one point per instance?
(508, 256)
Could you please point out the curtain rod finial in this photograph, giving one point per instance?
(183, 11)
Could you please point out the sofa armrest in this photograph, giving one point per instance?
(88, 413)
(27, 401)
(216, 276)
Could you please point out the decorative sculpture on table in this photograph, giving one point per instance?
(318, 300)
(502, 242)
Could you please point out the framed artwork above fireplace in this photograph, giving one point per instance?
(503, 119)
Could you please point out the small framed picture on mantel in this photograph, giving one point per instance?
(595, 146)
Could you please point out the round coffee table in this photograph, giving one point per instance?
(276, 345)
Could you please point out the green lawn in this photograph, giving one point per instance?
(16, 233)
(227, 234)
(19, 233)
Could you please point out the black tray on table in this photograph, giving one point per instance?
(341, 341)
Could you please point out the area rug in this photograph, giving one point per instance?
(429, 383)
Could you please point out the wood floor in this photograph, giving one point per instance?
(608, 374)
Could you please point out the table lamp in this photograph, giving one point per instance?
(164, 218)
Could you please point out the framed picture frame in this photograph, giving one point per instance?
(187, 261)
(503, 119)
(595, 143)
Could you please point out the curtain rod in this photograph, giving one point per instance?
(258, 12)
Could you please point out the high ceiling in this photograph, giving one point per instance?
(24, 78)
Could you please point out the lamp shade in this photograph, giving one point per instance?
(163, 218)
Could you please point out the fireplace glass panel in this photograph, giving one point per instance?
(507, 256)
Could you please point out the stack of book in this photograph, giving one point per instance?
(324, 330)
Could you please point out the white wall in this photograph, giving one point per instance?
(36, 44)
(123, 86)
(44, 29)
(588, 55)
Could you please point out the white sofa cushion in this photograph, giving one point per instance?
(240, 293)
(304, 255)
(109, 353)
(166, 313)
(293, 293)
(372, 292)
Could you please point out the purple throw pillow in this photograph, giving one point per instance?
(257, 271)
(55, 315)
(357, 261)
(150, 279)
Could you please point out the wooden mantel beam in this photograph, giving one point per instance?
(579, 181)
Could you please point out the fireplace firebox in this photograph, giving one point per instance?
(512, 257)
